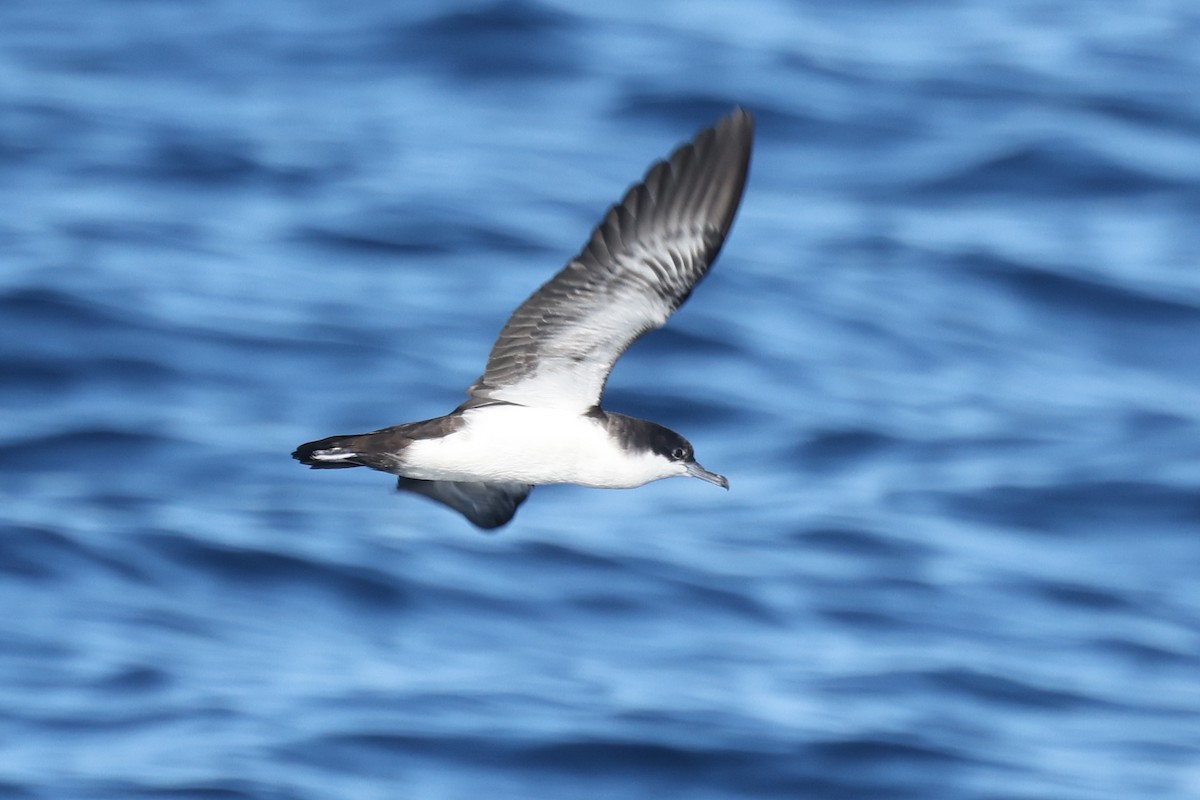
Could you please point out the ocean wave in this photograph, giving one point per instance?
(395, 232)
(510, 39)
(1052, 168)
(1061, 291)
(1090, 507)
(259, 567)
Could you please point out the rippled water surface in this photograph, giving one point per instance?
(948, 359)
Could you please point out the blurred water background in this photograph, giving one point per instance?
(949, 360)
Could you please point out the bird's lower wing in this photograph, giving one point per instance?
(486, 505)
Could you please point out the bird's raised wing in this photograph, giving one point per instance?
(640, 265)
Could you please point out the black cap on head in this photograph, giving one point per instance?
(642, 434)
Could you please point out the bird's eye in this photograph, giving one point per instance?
(678, 454)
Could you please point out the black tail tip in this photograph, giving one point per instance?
(305, 452)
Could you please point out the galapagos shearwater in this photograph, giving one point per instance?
(534, 416)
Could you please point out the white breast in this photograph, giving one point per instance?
(535, 446)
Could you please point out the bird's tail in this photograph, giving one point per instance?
(334, 452)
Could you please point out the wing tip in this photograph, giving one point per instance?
(740, 120)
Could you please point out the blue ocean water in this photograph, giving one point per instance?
(948, 359)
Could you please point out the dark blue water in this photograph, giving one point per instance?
(949, 360)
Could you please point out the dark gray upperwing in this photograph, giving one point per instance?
(486, 505)
(640, 265)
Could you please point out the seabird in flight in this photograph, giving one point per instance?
(534, 416)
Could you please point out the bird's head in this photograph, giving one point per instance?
(679, 458)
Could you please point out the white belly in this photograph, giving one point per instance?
(526, 445)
